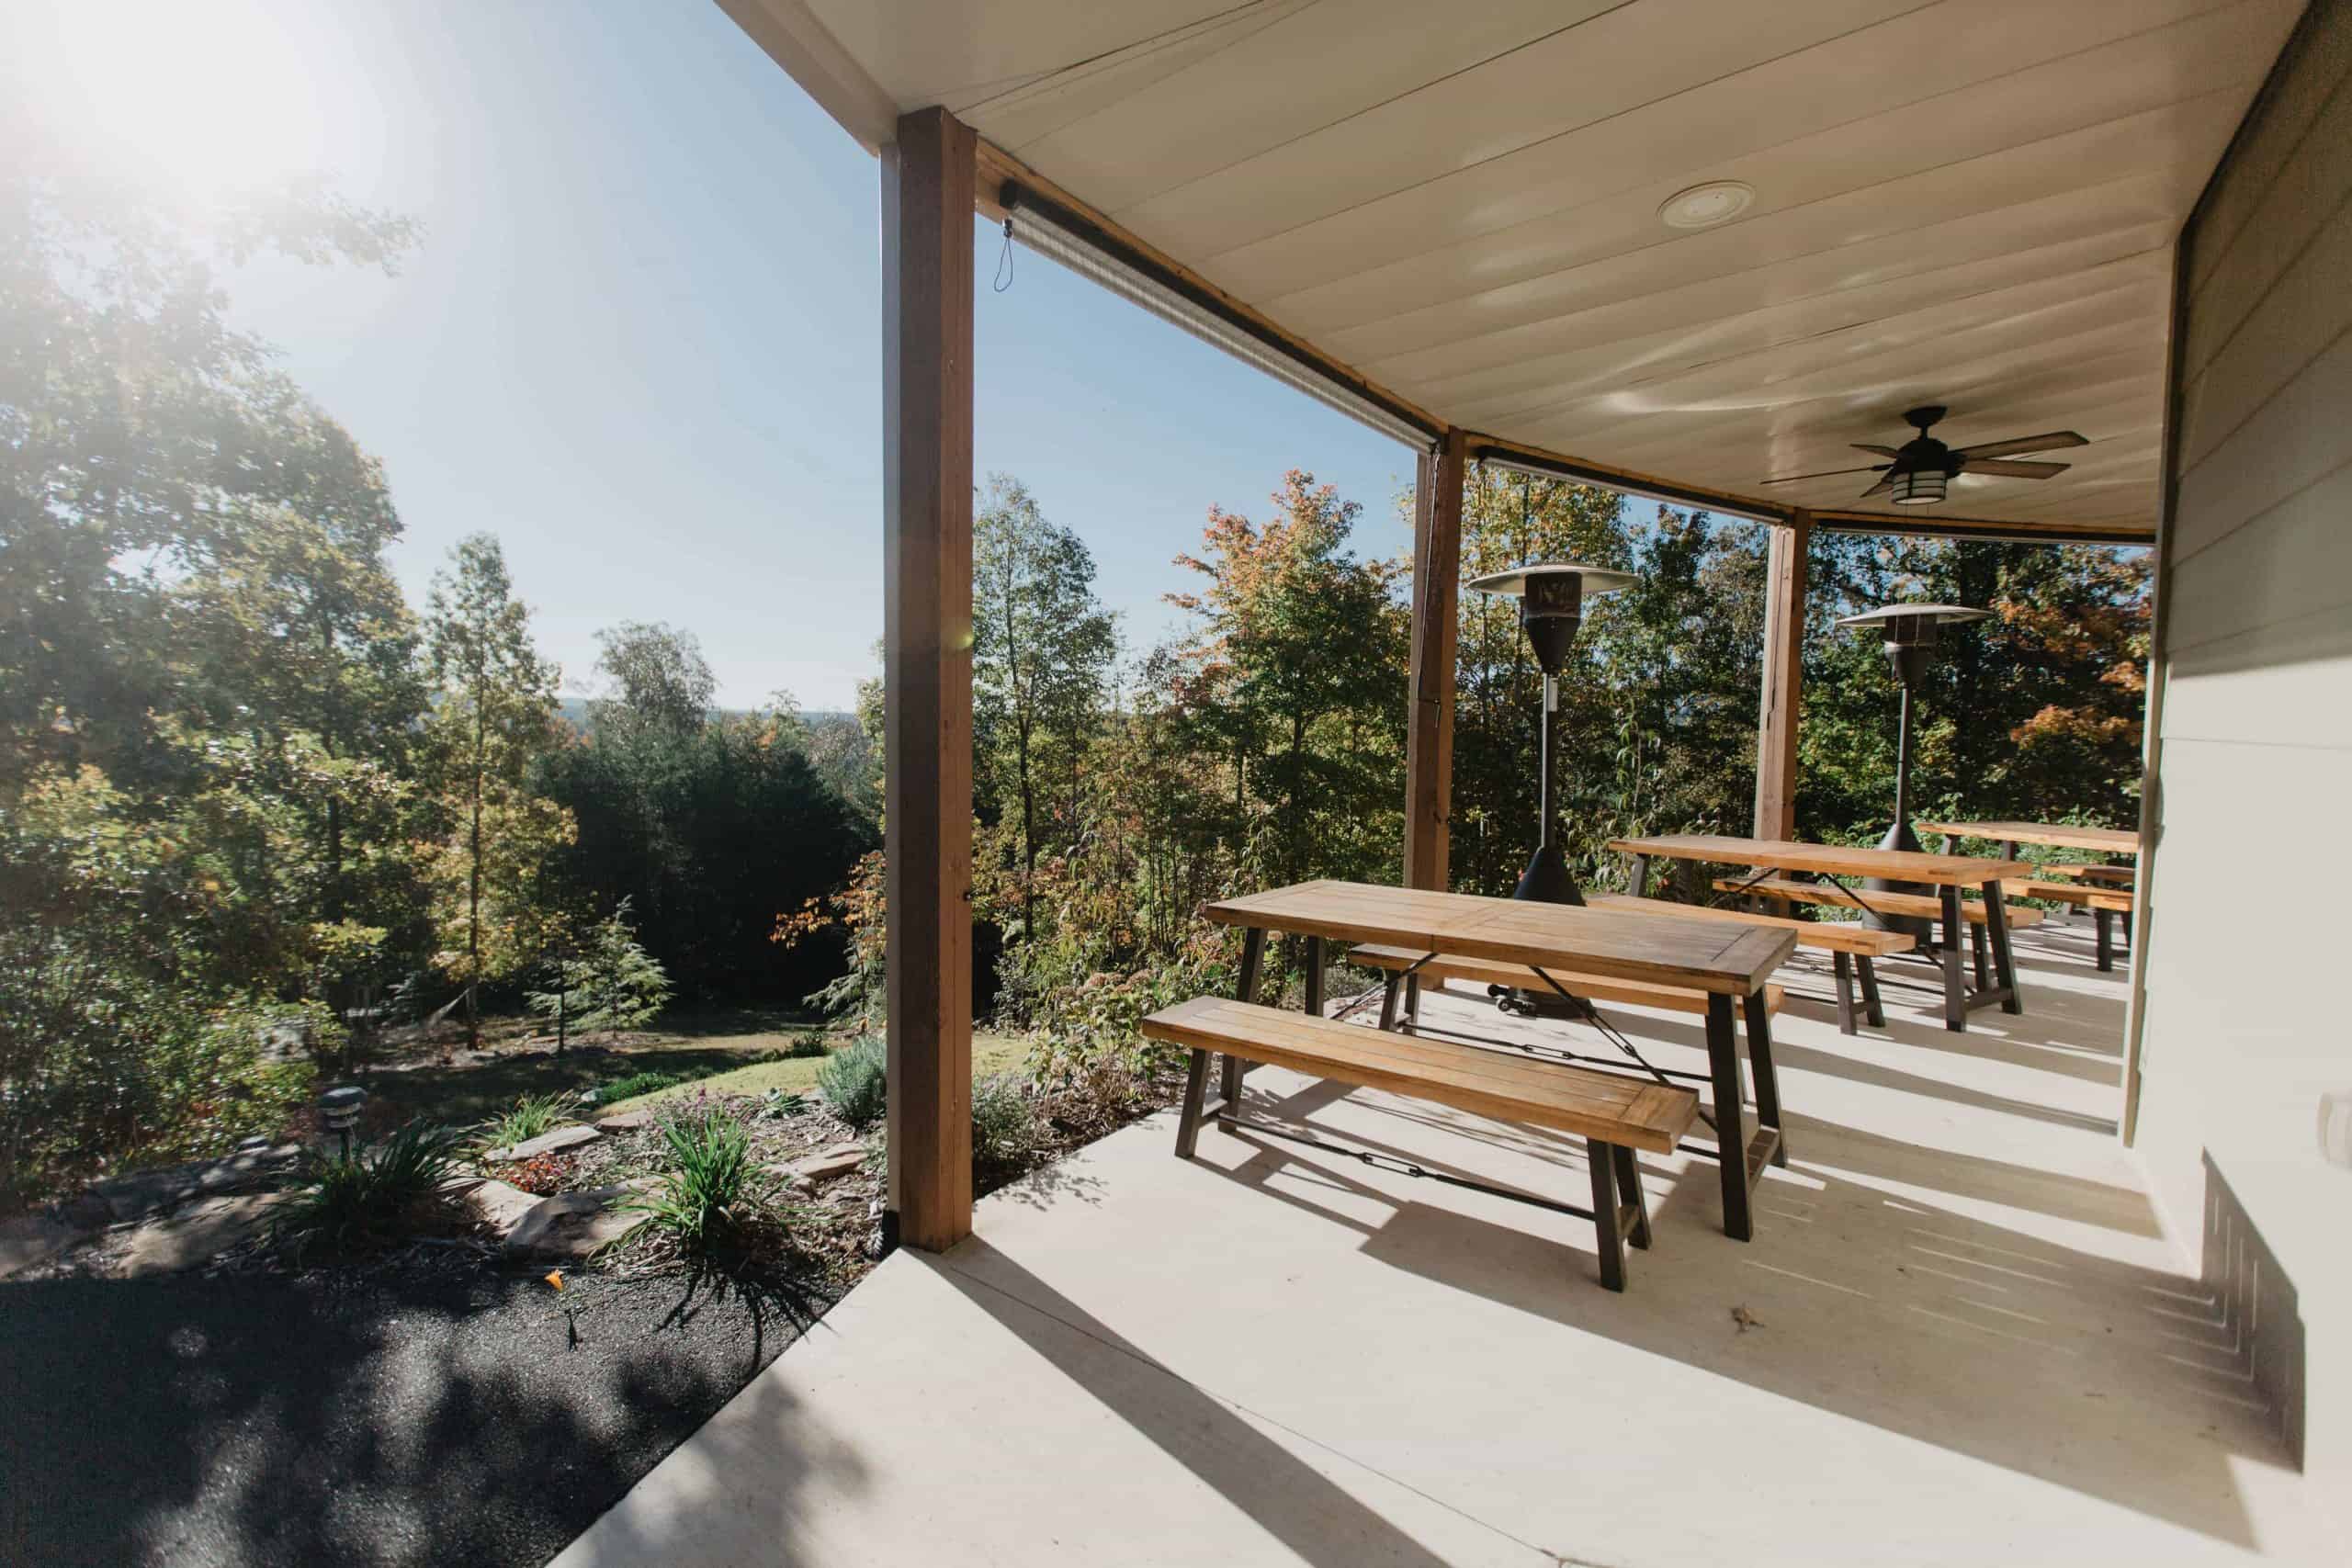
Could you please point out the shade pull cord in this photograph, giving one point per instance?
(1004, 260)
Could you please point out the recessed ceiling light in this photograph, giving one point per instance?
(1717, 201)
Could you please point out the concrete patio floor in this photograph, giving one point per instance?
(1968, 1339)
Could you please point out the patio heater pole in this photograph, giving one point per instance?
(1551, 609)
(1908, 633)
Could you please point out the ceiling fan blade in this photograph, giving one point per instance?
(1873, 446)
(2014, 470)
(1826, 474)
(2048, 442)
(1879, 488)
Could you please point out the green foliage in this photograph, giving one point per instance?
(853, 1081)
(612, 984)
(530, 1116)
(1005, 1129)
(710, 1193)
(378, 1196)
(635, 1084)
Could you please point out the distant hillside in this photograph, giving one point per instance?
(574, 712)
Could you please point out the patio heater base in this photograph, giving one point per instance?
(1545, 881)
(1923, 931)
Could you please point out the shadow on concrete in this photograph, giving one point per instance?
(1319, 1522)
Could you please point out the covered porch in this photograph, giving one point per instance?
(1961, 1336)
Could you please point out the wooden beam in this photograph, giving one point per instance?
(2013, 531)
(1782, 699)
(927, 671)
(1429, 738)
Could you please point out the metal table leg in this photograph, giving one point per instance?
(1996, 931)
(1731, 1118)
(1253, 959)
(1315, 967)
(1759, 1019)
(1948, 949)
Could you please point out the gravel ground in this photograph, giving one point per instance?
(393, 1419)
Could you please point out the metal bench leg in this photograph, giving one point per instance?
(2005, 964)
(1629, 1192)
(1842, 966)
(1731, 1120)
(1392, 991)
(2105, 920)
(1976, 943)
(1196, 1084)
(1759, 1019)
(1872, 1009)
(1597, 1157)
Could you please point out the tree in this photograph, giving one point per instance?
(611, 984)
(494, 714)
(656, 680)
(1043, 648)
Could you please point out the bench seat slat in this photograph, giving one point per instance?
(1916, 904)
(2108, 898)
(1868, 942)
(1593, 987)
(1608, 1107)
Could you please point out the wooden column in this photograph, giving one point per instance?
(1776, 724)
(1429, 739)
(927, 176)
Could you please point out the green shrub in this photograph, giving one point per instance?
(807, 1043)
(853, 1081)
(636, 1084)
(375, 1196)
(531, 1115)
(709, 1195)
(1004, 1124)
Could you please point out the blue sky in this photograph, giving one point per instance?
(640, 340)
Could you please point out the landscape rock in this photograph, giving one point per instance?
(29, 1240)
(501, 1205)
(830, 1164)
(626, 1121)
(148, 1193)
(545, 1143)
(568, 1227)
(195, 1235)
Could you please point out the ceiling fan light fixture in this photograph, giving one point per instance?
(1917, 487)
(1703, 205)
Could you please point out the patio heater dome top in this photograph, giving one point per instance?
(1594, 578)
(1937, 612)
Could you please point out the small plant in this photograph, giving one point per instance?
(709, 1197)
(374, 1196)
(530, 1116)
(807, 1043)
(540, 1175)
(854, 1081)
(613, 984)
(1004, 1124)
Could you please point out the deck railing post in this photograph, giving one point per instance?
(1782, 696)
(927, 183)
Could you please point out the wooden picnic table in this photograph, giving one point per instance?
(2062, 835)
(1947, 873)
(1730, 964)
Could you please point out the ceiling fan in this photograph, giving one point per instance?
(1922, 467)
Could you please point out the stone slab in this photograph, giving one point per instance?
(545, 1143)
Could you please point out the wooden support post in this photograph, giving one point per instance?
(927, 176)
(1776, 724)
(1429, 738)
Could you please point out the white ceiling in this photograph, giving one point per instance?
(1969, 202)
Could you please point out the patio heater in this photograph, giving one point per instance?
(1908, 633)
(1551, 607)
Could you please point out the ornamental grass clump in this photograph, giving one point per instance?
(710, 1200)
(375, 1196)
(854, 1081)
(530, 1116)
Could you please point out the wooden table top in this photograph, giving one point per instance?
(1827, 860)
(2115, 841)
(1696, 955)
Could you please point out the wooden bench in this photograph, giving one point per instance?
(1424, 969)
(1919, 906)
(2122, 876)
(2104, 903)
(1853, 949)
(1615, 1115)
